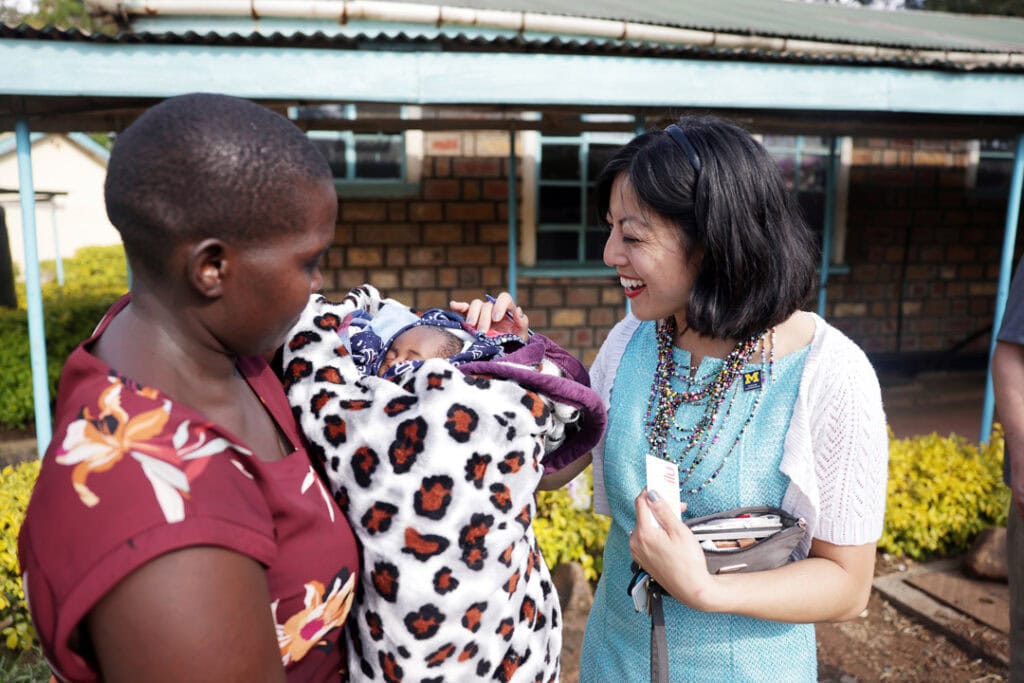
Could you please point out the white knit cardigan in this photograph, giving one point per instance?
(836, 450)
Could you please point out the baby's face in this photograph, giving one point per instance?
(416, 343)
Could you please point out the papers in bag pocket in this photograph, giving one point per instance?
(732, 528)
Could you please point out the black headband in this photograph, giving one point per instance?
(683, 142)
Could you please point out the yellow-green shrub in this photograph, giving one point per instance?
(942, 491)
(15, 487)
(567, 528)
(94, 278)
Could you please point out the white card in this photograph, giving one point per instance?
(663, 477)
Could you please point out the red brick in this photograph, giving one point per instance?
(442, 167)
(397, 212)
(365, 256)
(581, 296)
(495, 189)
(335, 257)
(920, 272)
(493, 277)
(476, 167)
(343, 234)
(388, 234)
(441, 189)
(560, 336)
(363, 212)
(472, 255)
(600, 317)
(469, 277)
(426, 256)
(418, 278)
(397, 256)
(470, 211)
(447, 277)
(425, 211)
(582, 336)
(471, 190)
(431, 298)
(548, 296)
(494, 232)
(384, 279)
(443, 233)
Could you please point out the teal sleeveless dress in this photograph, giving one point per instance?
(702, 647)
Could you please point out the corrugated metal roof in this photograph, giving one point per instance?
(514, 44)
(789, 19)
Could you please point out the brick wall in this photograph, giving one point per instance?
(451, 242)
(923, 252)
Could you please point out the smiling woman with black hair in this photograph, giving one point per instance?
(717, 371)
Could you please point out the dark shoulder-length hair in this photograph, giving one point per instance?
(758, 256)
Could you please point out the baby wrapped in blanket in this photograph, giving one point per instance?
(436, 465)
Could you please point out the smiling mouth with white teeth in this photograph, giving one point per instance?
(631, 286)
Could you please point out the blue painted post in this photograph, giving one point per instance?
(33, 291)
(1003, 291)
(56, 241)
(513, 228)
(829, 226)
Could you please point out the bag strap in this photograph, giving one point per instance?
(659, 646)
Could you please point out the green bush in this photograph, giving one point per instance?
(15, 488)
(942, 491)
(94, 278)
(567, 528)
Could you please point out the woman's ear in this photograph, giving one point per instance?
(208, 267)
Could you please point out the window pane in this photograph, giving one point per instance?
(595, 245)
(993, 173)
(557, 246)
(812, 205)
(379, 157)
(812, 173)
(560, 162)
(333, 150)
(560, 205)
(598, 157)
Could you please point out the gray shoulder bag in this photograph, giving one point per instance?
(747, 539)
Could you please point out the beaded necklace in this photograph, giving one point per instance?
(665, 401)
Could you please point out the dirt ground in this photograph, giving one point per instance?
(886, 645)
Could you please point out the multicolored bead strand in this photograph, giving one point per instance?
(665, 401)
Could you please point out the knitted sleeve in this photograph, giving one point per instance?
(850, 444)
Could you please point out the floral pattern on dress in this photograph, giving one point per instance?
(102, 435)
(323, 612)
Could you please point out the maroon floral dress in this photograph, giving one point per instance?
(131, 475)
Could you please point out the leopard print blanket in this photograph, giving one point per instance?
(436, 470)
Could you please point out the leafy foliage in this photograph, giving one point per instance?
(942, 491)
(15, 488)
(1002, 7)
(94, 278)
(567, 528)
(64, 14)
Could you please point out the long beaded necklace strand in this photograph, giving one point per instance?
(665, 401)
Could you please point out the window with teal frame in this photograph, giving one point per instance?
(569, 231)
(994, 167)
(804, 162)
(357, 157)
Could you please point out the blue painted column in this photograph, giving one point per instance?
(33, 291)
(830, 218)
(1003, 290)
(513, 222)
